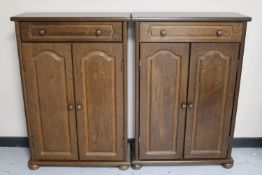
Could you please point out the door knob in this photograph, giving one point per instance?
(190, 105)
(71, 107)
(183, 106)
(79, 107)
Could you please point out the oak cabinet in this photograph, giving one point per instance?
(187, 80)
(73, 70)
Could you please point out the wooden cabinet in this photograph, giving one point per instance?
(74, 79)
(188, 71)
(73, 71)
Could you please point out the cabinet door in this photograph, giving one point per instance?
(163, 86)
(213, 69)
(48, 80)
(99, 92)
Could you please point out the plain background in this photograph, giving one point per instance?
(249, 115)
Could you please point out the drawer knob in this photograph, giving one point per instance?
(79, 107)
(163, 32)
(183, 106)
(98, 32)
(220, 32)
(71, 107)
(42, 32)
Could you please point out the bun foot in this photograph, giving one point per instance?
(123, 167)
(136, 166)
(227, 165)
(33, 166)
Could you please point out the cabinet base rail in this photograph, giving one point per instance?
(36, 164)
(226, 163)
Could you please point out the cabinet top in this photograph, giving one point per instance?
(71, 16)
(137, 16)
(190, 16)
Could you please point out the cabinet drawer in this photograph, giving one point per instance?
(190, 32)
(71, 31)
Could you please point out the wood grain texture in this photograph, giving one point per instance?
(190, 32)
(71, 31)
(72, 16)
(212, 76)
(137, 91)
(237, 87)
(20, 57)
(163, 85)
(79, 163)
(99, 89)
(190, 16)
(125, 98)
(48, 79)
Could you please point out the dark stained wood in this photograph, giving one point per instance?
(79, 163)
(72, 16)
(190, 31)
(71, 31)
(125, 105)
(137, 91)
(210, 108)
(19, 48)
(213, 69)
(190, 16)
(237, 86)
(48, 77)
(184, 162)
(99, 89)
(163, 88)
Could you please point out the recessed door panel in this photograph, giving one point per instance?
(163, 85)
(213, 69)
(99, 92)
(49, 88)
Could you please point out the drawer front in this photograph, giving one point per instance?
(71, 31)
(190, 32)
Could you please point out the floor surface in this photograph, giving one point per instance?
(248, 161)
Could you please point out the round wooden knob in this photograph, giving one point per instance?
(163, 32)
(98, 32)
(71, 107)
(183, 106)
(79, 107)
(42, 32)
(219, 32)
(190, 105)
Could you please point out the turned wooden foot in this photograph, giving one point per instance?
(123, 167)
(32, 166)
(227, 165)
(136, 166)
